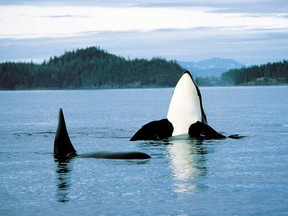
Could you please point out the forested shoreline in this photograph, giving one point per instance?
(266, 74)
(89, 68)
(95, 68)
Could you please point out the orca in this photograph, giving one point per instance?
(64, 150)
(155, 130)
(186, 116)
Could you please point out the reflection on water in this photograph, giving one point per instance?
(63, 172)
(187, 159)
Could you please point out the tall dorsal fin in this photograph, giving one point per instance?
(63, 148)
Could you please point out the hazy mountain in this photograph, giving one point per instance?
(210, 67)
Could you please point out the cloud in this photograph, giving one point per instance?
(194, 44)
(223, 6)
(65, 16)
(35, 21)
(247, 31)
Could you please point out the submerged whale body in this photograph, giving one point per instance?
(64, 150)
(185, 115)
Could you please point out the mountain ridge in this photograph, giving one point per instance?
(212, 67)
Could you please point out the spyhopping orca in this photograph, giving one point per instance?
(186, 115)
(64, 150)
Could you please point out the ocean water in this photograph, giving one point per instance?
(248, 176)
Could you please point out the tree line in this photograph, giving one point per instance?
(89, 68)
(265, 74)
(95, 68)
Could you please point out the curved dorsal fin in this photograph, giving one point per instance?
(63, 148)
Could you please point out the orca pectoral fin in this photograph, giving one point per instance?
(63, 148)
(202, 131)
(155, 130)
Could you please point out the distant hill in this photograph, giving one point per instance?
(210, 73)
(89, 68)
(95, 68)
(266, 74)
(213, 67)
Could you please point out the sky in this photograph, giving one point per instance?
(248, 31)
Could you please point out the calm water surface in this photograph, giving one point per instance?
(184, 177)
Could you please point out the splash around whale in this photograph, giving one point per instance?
(186, 116)
(64, 150)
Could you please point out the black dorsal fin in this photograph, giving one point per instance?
(63, 148)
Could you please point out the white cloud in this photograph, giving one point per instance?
(195, 44)
(187, 30)
(42, 21)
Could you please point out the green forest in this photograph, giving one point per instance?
(266, 74)
(95, 68)
(89, 68)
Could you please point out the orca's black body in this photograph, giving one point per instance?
(202, 131)
(186, 115)
(64, 150)
(155, 130)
